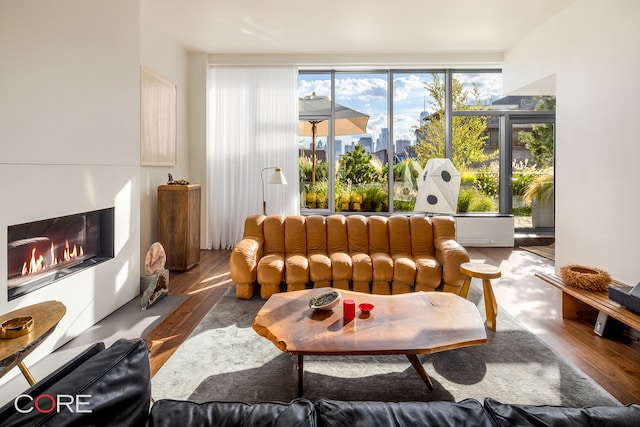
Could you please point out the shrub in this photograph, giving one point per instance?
(467, 177)
(523, 175)
(487, 183)
(470, 200)
(482, 203)
(541, 189)
(464, 199)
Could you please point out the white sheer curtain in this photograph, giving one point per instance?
(252, 124)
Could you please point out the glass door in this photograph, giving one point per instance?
(532, 172)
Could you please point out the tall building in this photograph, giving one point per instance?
(366, 142)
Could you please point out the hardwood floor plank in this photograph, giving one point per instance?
(613, 363)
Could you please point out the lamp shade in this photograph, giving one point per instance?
(278, 177)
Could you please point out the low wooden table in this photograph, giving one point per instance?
(486, 272)
(46, 316)
(580, 303)
(410, 324)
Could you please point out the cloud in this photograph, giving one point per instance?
(369, 89)
(368, 93)
(321, 86)
(489, 84)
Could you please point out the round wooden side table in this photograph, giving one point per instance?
(46, 316)
(486, 272)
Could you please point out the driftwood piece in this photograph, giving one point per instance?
(156, 282)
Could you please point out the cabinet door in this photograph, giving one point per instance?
(179, 225)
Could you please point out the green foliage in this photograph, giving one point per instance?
(482, 203)
(407, 172)
(468, 133)
(471, 200)
(542, 188)
(403, 205)
(540, 140)
(356, 167)
(487, 182)
(523, 175)
(522, 211)
(464, 199)
(375, 199)
(467, 177)
(305, 167)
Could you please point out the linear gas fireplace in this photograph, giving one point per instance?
(42, 252)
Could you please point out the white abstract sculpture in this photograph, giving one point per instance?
(438, 188)
(156, 282)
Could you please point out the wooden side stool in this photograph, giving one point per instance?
(486, 272)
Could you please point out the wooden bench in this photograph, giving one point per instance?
(580, 303)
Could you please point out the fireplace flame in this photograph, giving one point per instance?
(37, 263)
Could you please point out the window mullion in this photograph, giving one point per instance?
(448, 119)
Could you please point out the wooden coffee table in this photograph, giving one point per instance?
(410, 324)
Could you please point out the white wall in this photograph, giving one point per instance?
(591, 48)
(165, 58)
(69, 138)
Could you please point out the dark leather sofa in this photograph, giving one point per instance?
(112, 387)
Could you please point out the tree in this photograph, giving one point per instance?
(468, 133)
(356, 167)
(540, 140)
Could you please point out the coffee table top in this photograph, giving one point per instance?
(412, 323)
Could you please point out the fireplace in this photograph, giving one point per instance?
(42, 252)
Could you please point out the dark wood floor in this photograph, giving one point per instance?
(614, 364)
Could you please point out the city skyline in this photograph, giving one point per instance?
(368, 93)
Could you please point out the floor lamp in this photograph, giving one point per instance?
(276, 178)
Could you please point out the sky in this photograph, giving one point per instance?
(367, 93)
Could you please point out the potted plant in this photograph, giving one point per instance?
(541, 195)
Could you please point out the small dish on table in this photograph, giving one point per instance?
(365, 307)
(325, 301)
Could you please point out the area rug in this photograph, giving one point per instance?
(225, 359)
(547, 251)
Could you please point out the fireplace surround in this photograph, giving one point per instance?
(42, 252)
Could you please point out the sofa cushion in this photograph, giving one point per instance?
(468, 412)
(113, 388)
(167, 413)
(544, 415)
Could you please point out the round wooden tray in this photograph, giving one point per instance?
(16, 327)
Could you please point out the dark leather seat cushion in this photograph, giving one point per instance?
(468, 412)
(545, 415)
(180, 413)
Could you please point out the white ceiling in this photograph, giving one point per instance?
(347, 26)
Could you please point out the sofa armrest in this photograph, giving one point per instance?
(108, 387)
(451, 255)
(38, 388)
(243, 263)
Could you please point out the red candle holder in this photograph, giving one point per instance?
(348, 310)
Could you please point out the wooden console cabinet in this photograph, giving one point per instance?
(179, 224)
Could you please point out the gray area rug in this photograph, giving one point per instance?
(225, 359)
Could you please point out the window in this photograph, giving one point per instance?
(364, 152)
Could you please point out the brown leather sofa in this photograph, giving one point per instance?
(376, 254)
